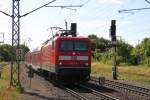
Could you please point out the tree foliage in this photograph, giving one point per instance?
(142, 52)
(126, 53)
(6, 51)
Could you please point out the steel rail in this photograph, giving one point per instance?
(70, 91)
(131, 88)
(75, 94)
(105, 96)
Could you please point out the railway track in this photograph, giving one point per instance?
(88, 94)
(68, 90)
(126, 87)
(82, 92)
(93, 92)
(99, 94)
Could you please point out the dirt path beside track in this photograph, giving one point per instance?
(40, 88)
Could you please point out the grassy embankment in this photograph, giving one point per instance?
(132, 73)
(6, 93)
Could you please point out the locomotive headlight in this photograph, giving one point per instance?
(86, 64)
(60, 63)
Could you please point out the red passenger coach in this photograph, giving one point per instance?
(65, 57)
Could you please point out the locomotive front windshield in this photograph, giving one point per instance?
(73, 45)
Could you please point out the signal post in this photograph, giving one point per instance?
(114, 43)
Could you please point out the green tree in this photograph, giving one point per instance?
(99, 47)
(124, 51)
(25, 49)
(99, 43)
(5, 52)
(142, 51)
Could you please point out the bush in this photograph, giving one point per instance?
(134, 60)
(19, 88)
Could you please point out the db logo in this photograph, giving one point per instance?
(73, 57)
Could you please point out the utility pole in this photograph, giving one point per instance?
(15, 60)
(113, 39)
(16, 51)
(15, 68)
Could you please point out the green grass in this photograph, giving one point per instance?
(132, 73)
(6, 93)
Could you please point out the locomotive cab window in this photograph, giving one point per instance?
(66, 46)
(73, 45)
(80, 46)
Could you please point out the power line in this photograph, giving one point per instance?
(82, 5)
(66, 6)
(147, 1)
(37, 8)
(130, 10)
(5, 13)
(70, 7)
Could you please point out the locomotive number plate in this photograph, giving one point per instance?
(73, 57)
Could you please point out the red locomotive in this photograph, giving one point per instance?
(64, 57)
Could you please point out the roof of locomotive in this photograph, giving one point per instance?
(58, 37)
(70, 37)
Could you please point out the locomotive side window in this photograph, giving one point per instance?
(73, 46)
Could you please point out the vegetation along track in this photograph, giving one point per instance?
(123, 86)
(3, 65)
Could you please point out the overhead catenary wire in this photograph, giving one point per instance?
(130, 10)
(70, 15)
(147, 1)
(37, 8)
(6, 13)
(70, 7)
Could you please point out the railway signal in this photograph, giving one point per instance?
(113, 39)
(19, 54)
(113, 30)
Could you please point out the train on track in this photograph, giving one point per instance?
(65, 57)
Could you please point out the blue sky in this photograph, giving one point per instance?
(93, 18)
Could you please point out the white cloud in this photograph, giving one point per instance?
(111, 1)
